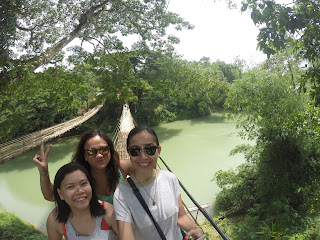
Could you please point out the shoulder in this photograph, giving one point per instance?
(166, 174)
(167, 177)
(126, 167)
(124, 183)
(108, 207)
(53, 226)
(53, 216)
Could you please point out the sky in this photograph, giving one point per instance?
(220, 33)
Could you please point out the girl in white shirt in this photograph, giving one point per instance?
(160, 190)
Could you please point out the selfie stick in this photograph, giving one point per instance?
(203, 211)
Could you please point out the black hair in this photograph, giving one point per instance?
(63, 209)
(141, 128)
(112, 169)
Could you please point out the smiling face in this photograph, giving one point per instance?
(144, 163)
(100, 160)
(75, 190)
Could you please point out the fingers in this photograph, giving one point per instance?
(48, 150)
(36, 159)
(187, 236)
(195, 233)
(43, 154)
(41, 147)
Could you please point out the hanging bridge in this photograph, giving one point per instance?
(126, 122)
(22, 144)
(120, 134)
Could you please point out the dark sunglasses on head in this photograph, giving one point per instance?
(134, 151)
(92, 152)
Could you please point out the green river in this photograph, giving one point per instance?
(194, 150)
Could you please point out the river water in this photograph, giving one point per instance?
(194, 150)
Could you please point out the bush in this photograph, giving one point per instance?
(13, 228)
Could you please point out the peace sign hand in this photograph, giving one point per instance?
(41, 161)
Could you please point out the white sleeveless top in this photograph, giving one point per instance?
(102, 231)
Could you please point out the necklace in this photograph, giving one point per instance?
(152, 198)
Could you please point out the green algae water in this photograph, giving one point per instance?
(194, 150)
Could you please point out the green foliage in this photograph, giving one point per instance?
(238, 192)
(159, 88)
(295, 24)
(44, 99)
(230, 71)
(8, 10)
(12, 227)
(101, 24)
(253, 228)
(283, 165)
(158, 85)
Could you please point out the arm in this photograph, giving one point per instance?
(125, 231)
(54, 228)
(41, 161)
(111, 217)
(187, 224)
(126, 167)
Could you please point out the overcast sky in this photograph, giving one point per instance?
(219, 33)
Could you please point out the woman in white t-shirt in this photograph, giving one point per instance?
(160, 190)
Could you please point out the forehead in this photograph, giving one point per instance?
(73, 177)
(95, 142)
(142, 138)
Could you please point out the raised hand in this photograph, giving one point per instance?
(41, 161)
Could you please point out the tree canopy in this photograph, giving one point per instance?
(295, 24)
(36, 32)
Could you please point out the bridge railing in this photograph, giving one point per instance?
(203, 211)
(22, 144)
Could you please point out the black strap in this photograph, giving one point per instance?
(144, 205)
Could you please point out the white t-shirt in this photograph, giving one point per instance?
(165, 191)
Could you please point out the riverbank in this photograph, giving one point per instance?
(13, 227)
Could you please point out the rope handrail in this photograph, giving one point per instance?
(22, 144)
(203, 211)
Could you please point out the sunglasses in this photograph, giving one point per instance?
(92, 152)
(135, 151)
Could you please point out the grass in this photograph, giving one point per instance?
(14, 228)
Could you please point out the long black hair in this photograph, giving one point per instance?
(63, 209)
(112, 169)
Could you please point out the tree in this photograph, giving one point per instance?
(295, 24)
(44, 28)
(45, 99)
(181, 87)
(274, 186)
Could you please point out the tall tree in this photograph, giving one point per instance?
(295, 24)
(43, 28)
